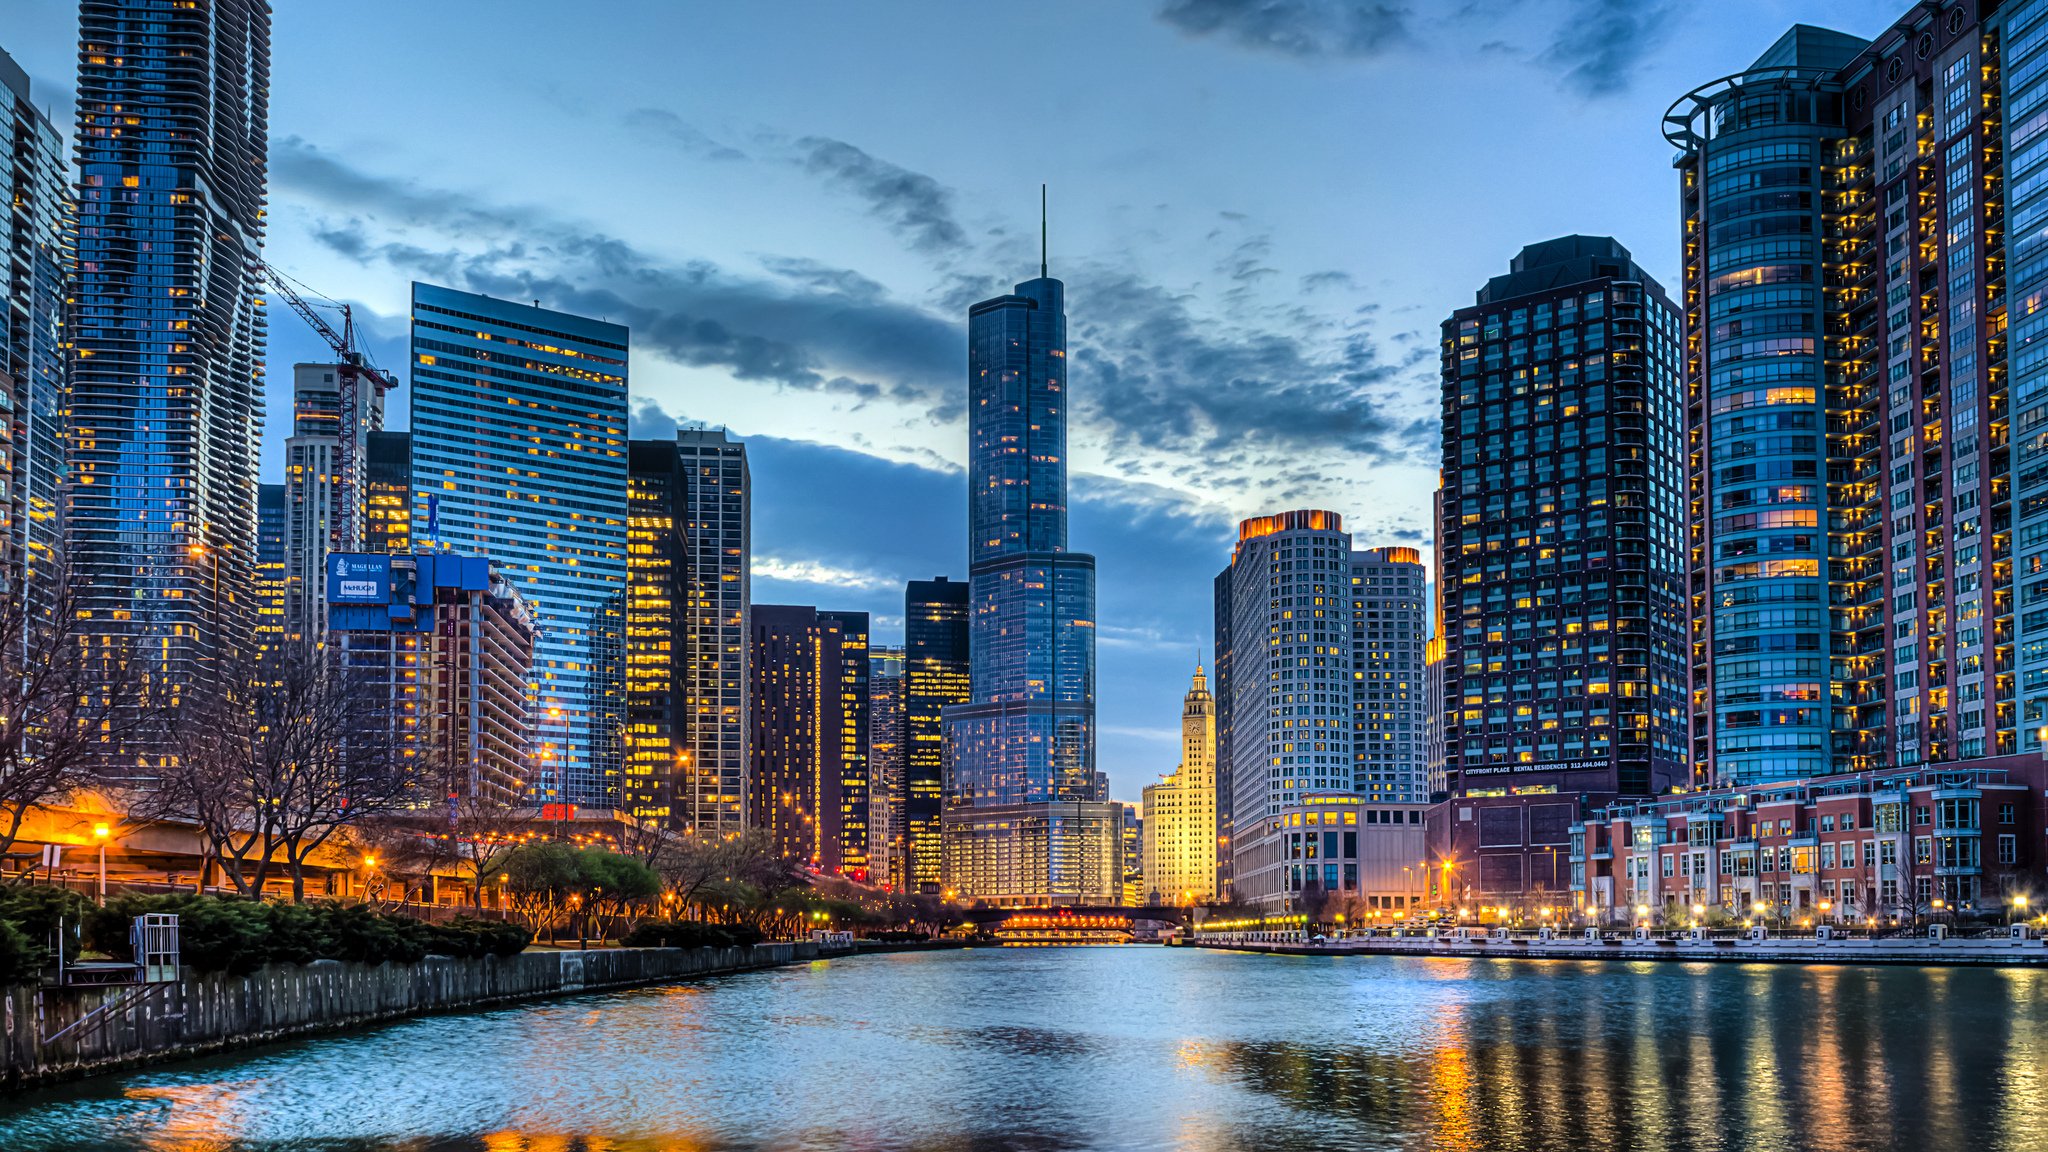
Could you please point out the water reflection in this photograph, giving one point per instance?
(1055, 1050)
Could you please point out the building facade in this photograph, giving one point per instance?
(167, 335)
(1026, 735)
(809, 777)
(1388, 731)
(1559, 549)
(1036, 855)
(1292, 705)
(519, 455)
(1351, 856)
(451, 642)
(387, 492)
(313, 487)
(1886, 847)
(1180, 811)
(657, 632)
(271, 529)
(710, 795)
(32, 369)
(886, 765)
(936, 675)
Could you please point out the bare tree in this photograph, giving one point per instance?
(273, 764)
(65, 710)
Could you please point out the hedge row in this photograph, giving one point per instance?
(223, 934)
(690, 934)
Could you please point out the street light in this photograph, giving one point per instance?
(100, 833)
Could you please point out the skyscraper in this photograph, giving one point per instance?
(1559, 554)
(1180, 811)
(313, 485)
(1225, 757)
(1387, 630)
(387, 492)
(167, 333)
(657, 632)
(936, 676)
(886, 746)
(1863, 281)
(1027, 735)
(1289, 646)
(38, 249)
(519, 455)
(809, 710)
(711, 794)
(271, 529)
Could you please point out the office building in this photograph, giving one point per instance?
(451, 642)
(1559, 552)
(657, 636)
(1180, 811)
(314, 487)
(936, 676)
(387, 492)
(32, 375)
(887, 737)
(809, 710)
(271, 518)
(519, 455)
(1065, 852)
(1868, 483)
(1348, 855)
(1388, 731)
(167, 335)
(1026, 736)
(1289, 642)
(711, 793)
(1225, 789)
(1131, 893)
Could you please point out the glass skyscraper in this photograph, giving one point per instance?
(1027, 734)
(935, 677)
(38, 249)
(167, 332)
(519, 454)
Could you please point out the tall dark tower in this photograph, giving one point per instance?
(168, 337)
(935, 677)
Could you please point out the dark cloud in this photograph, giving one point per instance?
(1599, 44)
(1304, 29)
(1328, 278)
(914, 205)
(667, 127)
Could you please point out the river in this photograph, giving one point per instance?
(1059, 1049)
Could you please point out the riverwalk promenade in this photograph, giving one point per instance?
(2013, 950)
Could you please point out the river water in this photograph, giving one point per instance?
(1059, 1049)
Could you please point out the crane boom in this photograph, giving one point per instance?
(352, 370)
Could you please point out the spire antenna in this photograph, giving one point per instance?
(1041, 232)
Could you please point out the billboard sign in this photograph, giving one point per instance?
(358, 578)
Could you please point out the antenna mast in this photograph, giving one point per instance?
(1041, 232)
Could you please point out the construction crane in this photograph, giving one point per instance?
(353, 371)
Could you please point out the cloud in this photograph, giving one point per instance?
(1599, 44)
(913, 204)
(800, 571)
(669, 128)
(1303, 29)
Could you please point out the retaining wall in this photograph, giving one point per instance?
(202, 1014)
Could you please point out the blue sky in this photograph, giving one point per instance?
(1262, 210)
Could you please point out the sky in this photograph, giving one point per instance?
(1262, 210)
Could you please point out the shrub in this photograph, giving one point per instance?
(20, 959)
(237, 936)
(690, 934)
(35, 911)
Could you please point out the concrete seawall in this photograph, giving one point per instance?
(49, 1034)
(1997, 953)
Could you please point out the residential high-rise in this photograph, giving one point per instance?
(1560, 550)
(1387, 631)
(387, 492)
(1026, 737)
(809, 710)
(167, 335)
(711, 793)
(313, 484)
(1180, 810)
(271, 517)
(1863, 277)
(887, 744)
(38, 249)
(936, 676)
(657, 633)
(519, 455)
(451, 642)
(1289, 646)
(1225, 788)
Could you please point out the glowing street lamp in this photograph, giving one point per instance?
(100, 834)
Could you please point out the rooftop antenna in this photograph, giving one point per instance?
(1041, 232)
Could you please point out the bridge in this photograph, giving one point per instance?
(1076, 924)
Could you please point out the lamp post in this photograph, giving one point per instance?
(100, 834)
